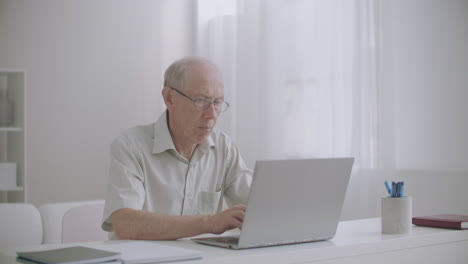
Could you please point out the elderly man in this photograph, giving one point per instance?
(168, 179)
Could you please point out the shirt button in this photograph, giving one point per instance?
(189, 196)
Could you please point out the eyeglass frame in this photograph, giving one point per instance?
(197, 101)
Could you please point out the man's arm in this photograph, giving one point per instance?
(138, 224)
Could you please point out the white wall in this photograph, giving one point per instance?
(429, 72)
(423, 92)
(94, 68)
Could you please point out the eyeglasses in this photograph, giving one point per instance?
(205, 103)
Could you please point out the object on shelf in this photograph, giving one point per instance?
(6, 105)
(7, 174)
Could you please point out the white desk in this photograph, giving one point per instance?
(357, 241)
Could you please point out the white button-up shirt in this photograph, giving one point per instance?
(147, 173)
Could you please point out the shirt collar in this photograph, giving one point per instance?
(206, 145)
(162, 140)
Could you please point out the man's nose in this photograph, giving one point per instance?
(211, 112)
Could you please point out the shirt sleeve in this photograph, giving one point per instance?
(125, 184)
(238, 178)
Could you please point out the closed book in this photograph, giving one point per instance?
(70, 255)
(443, 221)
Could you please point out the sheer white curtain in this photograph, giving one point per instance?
(300, 75)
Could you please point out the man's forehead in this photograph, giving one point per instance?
(206, 89)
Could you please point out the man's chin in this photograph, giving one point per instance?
(202, 137)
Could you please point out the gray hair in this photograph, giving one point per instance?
(175, 74)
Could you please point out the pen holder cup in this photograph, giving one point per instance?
(396, 213)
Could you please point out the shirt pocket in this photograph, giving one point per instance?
(208, 202)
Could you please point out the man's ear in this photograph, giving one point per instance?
(167, 96)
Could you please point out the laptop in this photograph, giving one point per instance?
(291, 201)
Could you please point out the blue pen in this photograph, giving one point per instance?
(389, 189)
(402, 189)
(393, 194)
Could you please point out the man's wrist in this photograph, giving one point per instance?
(207, 223)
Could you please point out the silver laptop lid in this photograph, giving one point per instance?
(294, 201)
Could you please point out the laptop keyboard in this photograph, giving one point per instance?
(225, 239)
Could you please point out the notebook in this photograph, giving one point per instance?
(291, 201)
(142, 252)
(443, 220)
(70, 255)
(121, 251)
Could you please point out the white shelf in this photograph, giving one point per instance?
(11, 70)
(11, 129)
(11, 188)
(13, 138)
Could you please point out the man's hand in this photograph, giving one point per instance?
(227, 219)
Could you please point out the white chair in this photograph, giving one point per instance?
(20, 225)
(73, 221)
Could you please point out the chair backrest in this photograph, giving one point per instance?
(73, 221)
(83, 223)
(20, 225)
